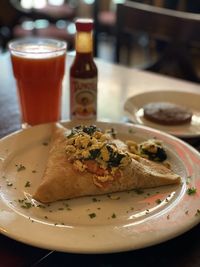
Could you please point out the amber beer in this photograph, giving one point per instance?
(83, 74)
(38, 66)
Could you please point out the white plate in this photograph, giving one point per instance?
(124, 221)
(134, 109)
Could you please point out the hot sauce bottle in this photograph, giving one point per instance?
(83, 74)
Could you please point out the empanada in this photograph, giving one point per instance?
(85, 161)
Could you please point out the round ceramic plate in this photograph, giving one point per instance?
(134, 109)
(101, 224)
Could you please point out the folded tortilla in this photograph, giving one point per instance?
(62, 181)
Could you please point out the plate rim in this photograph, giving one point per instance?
(108, 249)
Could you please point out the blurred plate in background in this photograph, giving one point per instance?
(134, 108)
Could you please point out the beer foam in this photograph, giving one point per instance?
(36, 51)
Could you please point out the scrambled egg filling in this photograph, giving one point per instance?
(88, 148)
(151, 149)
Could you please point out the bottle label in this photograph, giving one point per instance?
(83, 98)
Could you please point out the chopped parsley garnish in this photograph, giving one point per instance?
(159, 156)
(20, 167)
(86, 129)
(197, 212)
(94, 153)
(158, 201)
(191, 191)
(92, 215)
(41, 206)
(90, 129)
(27, 184)
(138, 191)
(112, 132)
(113, 216)
(45, 143)
(26, 205)
(21, 200)
(114, 157)
(131, 131)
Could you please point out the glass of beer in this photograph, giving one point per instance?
(38, 66)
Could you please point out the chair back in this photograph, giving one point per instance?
(180, 29)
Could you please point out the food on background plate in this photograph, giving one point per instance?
(87, 161)
(167, 113)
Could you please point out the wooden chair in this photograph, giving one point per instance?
(180, 31)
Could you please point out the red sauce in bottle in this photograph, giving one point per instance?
(83, 74)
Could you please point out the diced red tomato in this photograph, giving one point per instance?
(93, 167)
